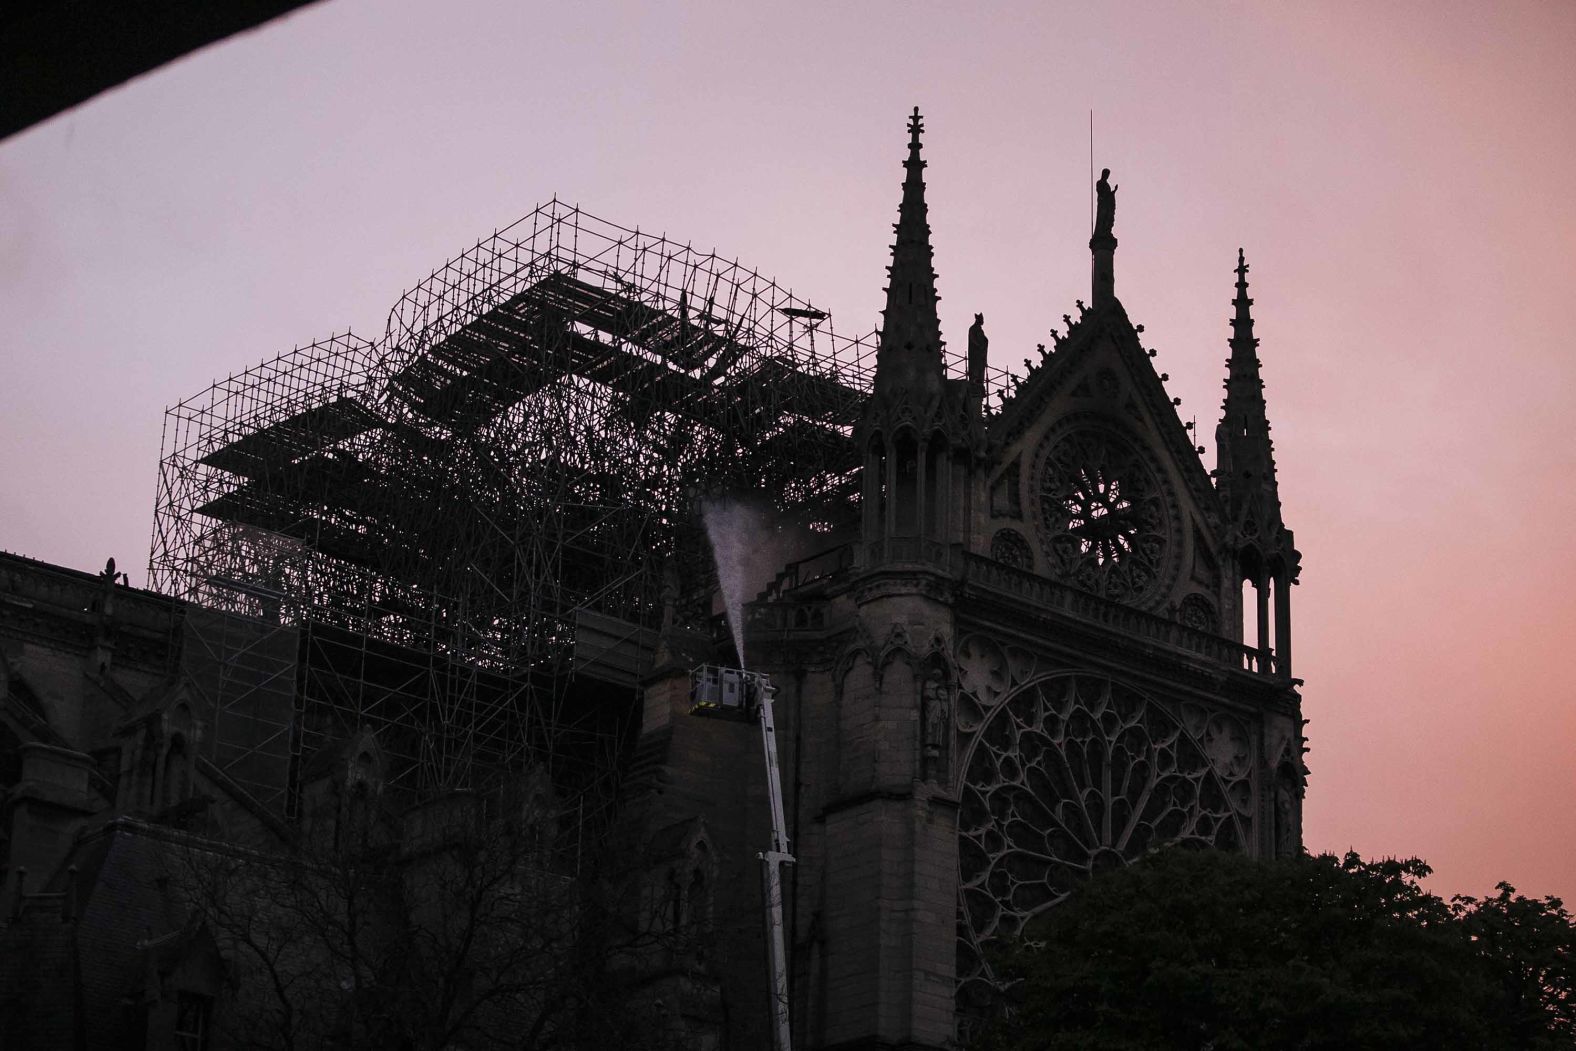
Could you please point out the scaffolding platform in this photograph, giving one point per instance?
(467, 519)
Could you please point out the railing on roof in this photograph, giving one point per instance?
(991, 575)
(1042, 591)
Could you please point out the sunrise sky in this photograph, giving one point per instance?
(1400, 175)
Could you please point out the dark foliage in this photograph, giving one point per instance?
(1529, 948)
(1208, 949)
(468, 931)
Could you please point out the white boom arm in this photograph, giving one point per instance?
(772, 861)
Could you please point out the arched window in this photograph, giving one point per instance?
(906, 498)
(175, 779)
(360, 785)
(876, 487)
(935, 483)
(697, 899)
(675, 903)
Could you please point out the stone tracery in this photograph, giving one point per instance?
(1010, 548)
(1074, 774)
(1103, 515)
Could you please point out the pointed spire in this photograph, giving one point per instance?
(1245, 456)
(1245, 479)
(1242, 341)
(910, 331)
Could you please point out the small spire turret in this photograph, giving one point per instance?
(920, 431)
(1245, 455)
(1245, 479)
(909, 353)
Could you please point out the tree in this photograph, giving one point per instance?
(456, 925)
(1529, 948)
(1209, 949)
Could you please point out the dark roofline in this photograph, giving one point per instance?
(54, 56)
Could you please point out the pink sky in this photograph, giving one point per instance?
(1400, 174)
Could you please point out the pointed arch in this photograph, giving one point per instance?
(175, 772)
(906, 502)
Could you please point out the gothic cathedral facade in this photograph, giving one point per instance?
(1058, 642)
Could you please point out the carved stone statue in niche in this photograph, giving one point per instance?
(936, 720)
(669, 593)
(1286, 840)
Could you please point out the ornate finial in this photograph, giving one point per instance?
(916, 125)
(1242, 323)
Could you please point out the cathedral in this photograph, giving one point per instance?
(1034, 664)
(1018, 635)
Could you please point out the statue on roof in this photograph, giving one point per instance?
(979, 345)
(1105, 204)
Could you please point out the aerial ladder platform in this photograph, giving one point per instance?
(736, 693)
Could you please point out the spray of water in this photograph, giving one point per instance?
(729, 527)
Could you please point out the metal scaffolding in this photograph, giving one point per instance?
(465, 523)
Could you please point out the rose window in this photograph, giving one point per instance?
(1198, 613)
(1009, 548)
(1074, 775)
(1103, 515)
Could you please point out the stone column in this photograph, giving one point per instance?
(1261, 596)
(1283, 625)
(1103, 276)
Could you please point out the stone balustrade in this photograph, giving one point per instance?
(986, 573)
(995, 576)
